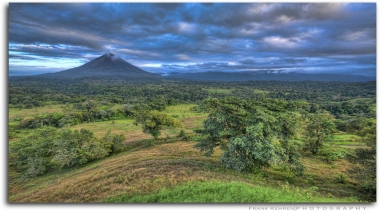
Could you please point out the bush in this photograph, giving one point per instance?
(47, 150)
(182, 133)
(77, 148)
(331, 154)
(114, 142)
(32, 155)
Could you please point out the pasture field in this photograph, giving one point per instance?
(219, 90)
(23, 112)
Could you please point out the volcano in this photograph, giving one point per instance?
(106, 66)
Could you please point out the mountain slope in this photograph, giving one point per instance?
(106, 66)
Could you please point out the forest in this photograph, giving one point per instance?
(109, 140)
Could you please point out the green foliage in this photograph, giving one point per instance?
(31, 155)
(360, 126)
(319, 129)
(233, 192)
(47, 150)
(251, 151)
(253, 134)
(77, 148)
(182, 133)
(28, 122)
(38, 91)
(153, 122)
(114, 142)
(347, 108)
(341, 178)
(365, 174)
(85, 112)
(331, 154)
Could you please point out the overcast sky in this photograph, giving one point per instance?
(310, 38)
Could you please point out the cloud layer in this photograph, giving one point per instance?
(193, 37)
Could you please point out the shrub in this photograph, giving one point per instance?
(32, 155)
(47, 150)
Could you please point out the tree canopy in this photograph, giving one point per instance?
(253, 134)
(153, 122)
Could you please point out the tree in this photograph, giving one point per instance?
(114, 142)
(77, 148)
(90, 107)
(318, 130)
(365, 174)
(253, 134)
(31, 155)
(45, 150)
(153, 122)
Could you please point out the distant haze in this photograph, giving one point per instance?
(337, 38)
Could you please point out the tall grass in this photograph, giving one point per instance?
(234, 192)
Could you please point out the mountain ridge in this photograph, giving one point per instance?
(216, 76)
(110, 66)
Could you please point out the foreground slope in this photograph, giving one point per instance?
(167, 166)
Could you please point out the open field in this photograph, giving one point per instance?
(21, 113)
(215, 90)
(190, 120)
(345, 137)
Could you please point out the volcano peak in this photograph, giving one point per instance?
(106, 66)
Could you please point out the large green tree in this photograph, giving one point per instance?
(253, 134)
(153, 122)
(319, 129)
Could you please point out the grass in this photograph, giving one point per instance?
(349, 143)
(230, 192)
(259, 91)
(182, 111)
(121, 126)
(220, 91)
(190, 119)
(345, 138)
(14, 132)
(138, 172)
(23, 112)
(360, 100)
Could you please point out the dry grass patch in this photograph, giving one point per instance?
(193, 122)
(24, 112)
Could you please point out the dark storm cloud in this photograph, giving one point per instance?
(199, 36)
